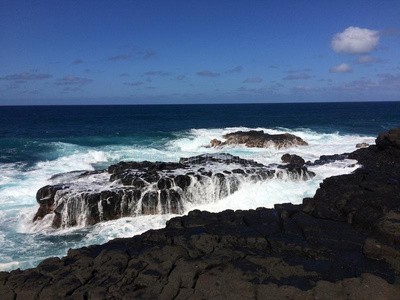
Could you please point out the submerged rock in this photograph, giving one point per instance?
(259, 139)
(142, 188)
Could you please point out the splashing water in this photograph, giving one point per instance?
(24, 244)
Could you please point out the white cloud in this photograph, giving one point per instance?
(355, 40)
(343, 68)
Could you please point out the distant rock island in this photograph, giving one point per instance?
(259, 139)
(343, 243)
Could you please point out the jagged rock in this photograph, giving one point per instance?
(259, 139)
(293, 159)
(45, 198)
(280, 252)
(341, 244)
(215, 143)
(326, 159)
(362, 145)
(369, 198)
(390, 139)
(137, 188)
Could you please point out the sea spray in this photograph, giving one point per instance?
(34, 243)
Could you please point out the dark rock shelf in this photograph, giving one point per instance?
(259, 139)
(145, 188)
(341, 244)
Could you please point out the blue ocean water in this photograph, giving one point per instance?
(37, 142)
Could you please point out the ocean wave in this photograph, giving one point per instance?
(19, 183)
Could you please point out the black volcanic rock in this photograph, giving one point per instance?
(368, 199)
(141, 188)
(340, 244)
(390, 139)
(259, 139)
(293, 159)
(280, 252)
(45, 198)
(327, 159)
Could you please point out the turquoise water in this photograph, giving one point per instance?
(38, 142)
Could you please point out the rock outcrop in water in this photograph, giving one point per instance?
(259, 139)
(293, 159)
(341, 244)
(143, 188)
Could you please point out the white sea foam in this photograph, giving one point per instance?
(23, 244)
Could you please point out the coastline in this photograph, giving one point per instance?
(341, 243)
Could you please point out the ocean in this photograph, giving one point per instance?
(37, 142)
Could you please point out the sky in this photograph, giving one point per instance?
(191, 51)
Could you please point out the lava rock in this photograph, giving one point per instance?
(260, 139)
(343, 243)
(389, 139)
(293, 159)
(362, 145)
(137, 188)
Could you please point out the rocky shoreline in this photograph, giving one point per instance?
(344, 243)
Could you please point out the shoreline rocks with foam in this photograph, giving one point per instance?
(341, 244)
(259, 139)
(145, 188)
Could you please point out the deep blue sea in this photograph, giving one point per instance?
(37, 142)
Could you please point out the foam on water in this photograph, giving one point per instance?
(23, 244)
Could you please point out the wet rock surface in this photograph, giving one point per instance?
(143, 188)
(293, 159)
(259, 139)
(362, 145)
(340, 244)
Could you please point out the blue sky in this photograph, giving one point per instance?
(147, 52)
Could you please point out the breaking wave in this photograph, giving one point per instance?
(24, 244)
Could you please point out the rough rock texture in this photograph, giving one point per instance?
(326, 159)
(341, 244)
(362, 145)
(389, 139)
(259, 139)
(230, 255)
(293, 159)
(143, 188)
(368, 199)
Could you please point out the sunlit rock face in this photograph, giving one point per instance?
(259, 139)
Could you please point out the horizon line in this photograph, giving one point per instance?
(182, 104)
